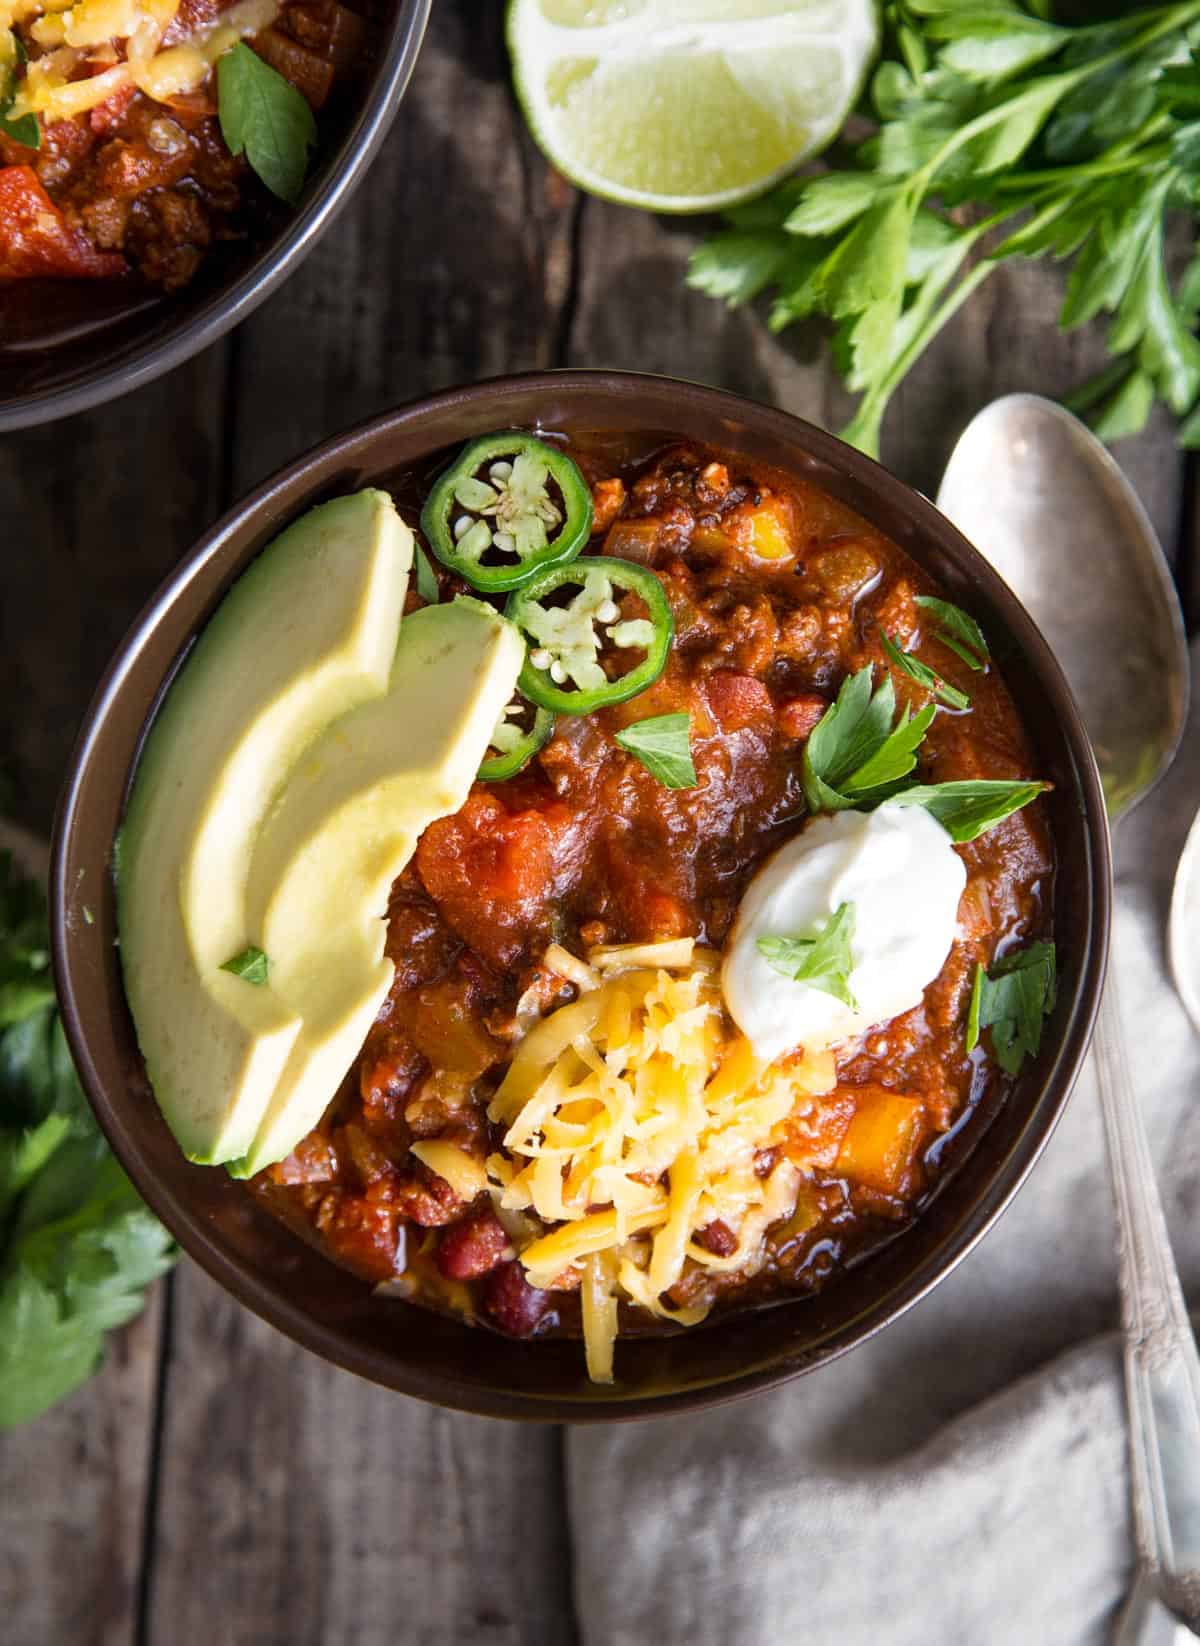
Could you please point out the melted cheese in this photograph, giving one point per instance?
(56, 86)
(633, 1119)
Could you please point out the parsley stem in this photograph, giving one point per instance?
(863, 428)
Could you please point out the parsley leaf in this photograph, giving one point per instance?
(1076, 143)
(824, 960)
(959, 631)
(77, 1247)
(967, 809)
(263, 116)
(251, 965)
(663, 745)
(929, 678)
(25, 129)
(854, 755)
(427, 583)
(1012, 1001)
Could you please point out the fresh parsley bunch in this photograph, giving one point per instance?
(77, 1247)
(997, 133)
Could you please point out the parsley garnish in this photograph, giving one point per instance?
(251, 965)
(264, 116)
(1013, 1000)
(427, 583)
(25, 129)
(959, 631)
(855, 756)
(929, 678)
(968, 808)
(823, 960)
(1068, 142)
(77, 1247)
(663, 745)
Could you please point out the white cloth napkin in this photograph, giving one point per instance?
(962, 1478)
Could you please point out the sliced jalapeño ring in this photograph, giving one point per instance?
(563, 669)
(508, 507)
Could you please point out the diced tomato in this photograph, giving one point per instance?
(491, 873)
(799, 715)
(739, 702)
(35, 239)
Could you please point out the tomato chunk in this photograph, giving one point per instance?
(491, 872)
(36, 240)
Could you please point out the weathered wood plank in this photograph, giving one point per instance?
(72, 1503)
(96, 509)
(297, 1505)
(300, 1506)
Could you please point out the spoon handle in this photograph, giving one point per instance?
(1162, 1368)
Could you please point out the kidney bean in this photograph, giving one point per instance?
(473, 1247)
(514, 1306)
(717, 1237)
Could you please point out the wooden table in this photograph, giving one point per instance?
(215, 1484)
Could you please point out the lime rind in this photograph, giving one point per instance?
(686, 106)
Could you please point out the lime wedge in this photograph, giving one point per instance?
(686, 105)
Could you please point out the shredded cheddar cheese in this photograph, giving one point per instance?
(81, 36)
(634, 1117)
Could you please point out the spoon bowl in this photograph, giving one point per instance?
(1184, 931)
(1034, 489)
(1041, 498)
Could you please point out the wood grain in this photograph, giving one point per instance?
(299, 1506)
(95, 511)
(73, 1490)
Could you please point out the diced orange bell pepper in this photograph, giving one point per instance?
(35, 239)
(881, 1142)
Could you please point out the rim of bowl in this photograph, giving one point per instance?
(229, 306)
(270, 506)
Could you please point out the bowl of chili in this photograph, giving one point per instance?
(676, 474)
(157, 185)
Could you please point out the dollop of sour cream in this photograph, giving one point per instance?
(898, 866)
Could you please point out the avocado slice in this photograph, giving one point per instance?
(344, 828)
(308, 632)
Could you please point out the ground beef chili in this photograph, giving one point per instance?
(135, 187)
(778, 592)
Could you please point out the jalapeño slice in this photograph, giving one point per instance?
(508, 507)
(517, 738)
(563, 669)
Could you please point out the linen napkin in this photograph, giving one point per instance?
(962, 1478)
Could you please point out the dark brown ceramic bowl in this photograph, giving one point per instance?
(422, 1354)
(71, 344)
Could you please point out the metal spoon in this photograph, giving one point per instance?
(1039, 496)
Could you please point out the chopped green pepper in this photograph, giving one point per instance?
(565, 644)
(508, 507)
(515, 742)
